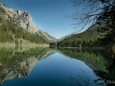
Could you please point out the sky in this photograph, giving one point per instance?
(52, 16)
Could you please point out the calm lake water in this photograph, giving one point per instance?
(45, 67)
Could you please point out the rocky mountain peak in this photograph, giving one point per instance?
(1, 3)
(21, 18)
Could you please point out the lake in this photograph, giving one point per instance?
(64, 67)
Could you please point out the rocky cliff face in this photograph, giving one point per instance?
(21, 18)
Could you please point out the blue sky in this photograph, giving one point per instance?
(51, 16)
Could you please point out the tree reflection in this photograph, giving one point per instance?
(17, 64)
(98, 59)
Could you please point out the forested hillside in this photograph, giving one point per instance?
(96, 35)
(10, 32)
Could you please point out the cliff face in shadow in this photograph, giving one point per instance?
(15, 64)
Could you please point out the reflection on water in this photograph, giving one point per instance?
(65, 67)
(93, 58)
(19, 63)
(57, 70)
(99, 60)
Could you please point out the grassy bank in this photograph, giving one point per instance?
(7, 44)
(23, 44)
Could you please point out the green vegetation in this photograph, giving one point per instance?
(98, 59)
(10, 32)
(97, 35)
(92, 57)
(10, 58)
(15, 63)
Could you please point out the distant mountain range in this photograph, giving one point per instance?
(12, 20)
(62, 38)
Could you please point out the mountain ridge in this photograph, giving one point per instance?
(96, 35)
(21, 19)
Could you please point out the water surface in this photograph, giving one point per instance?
(41, 68)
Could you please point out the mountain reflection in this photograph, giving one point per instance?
(18, 63)
(15, 63)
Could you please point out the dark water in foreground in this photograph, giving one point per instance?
(53, 68)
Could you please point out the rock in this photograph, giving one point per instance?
(1, 3)
(21, 18)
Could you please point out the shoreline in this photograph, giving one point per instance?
(25, 45)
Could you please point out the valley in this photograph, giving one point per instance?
(32, 57)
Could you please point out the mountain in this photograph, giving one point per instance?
(21, 18)
(53, 39)
(62, 38)
(19, 24)
(96, 35)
